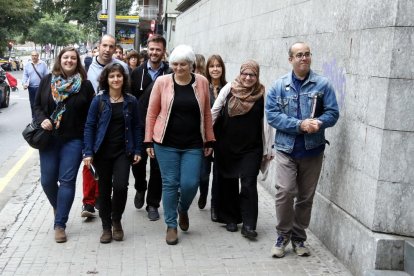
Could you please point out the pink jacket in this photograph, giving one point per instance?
(160, 104)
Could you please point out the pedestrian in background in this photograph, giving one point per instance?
(241, 144)
(179, 132)
(142, 81)
(119, 52)
(300, 105)
(200, 65)
(132, 60)
(113, 141)
(216, 76)
(106, 49)
(61, 105)
(33, 73)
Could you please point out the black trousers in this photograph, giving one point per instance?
(236, 206)
(113, 171)
(154, 184)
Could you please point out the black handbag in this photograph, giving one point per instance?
(36, 136)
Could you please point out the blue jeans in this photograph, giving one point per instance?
(180, 170)
(60, 162)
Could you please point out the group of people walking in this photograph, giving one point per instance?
(189, 121)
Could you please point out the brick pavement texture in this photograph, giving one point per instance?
(27, 245)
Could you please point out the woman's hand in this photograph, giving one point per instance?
(87, 161)
(137, 158)
(208, 151)
(47, 124)
(150, 152)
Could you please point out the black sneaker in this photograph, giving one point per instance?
(139, 199)
(88, 211)
(153, 214)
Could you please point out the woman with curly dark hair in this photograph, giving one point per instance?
(113, 140)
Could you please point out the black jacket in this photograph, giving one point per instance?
(141, 86)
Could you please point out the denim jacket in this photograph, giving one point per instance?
(281, 110)
(98, 120)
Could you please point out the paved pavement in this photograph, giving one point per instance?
(27, 245)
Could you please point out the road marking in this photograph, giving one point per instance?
(16, 168)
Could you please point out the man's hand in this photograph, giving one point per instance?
(25, 86)
(310, 125)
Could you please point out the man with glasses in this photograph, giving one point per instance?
(33, 72)
(300, 106)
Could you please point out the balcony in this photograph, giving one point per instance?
(148, 12)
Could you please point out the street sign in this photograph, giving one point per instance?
(121, 18)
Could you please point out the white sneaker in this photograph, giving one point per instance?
(278, 249)
(300, 248)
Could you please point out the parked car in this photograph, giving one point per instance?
(5, 64)
(4, 90)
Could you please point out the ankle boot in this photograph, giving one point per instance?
(106, 236)
(117, 231)
(60, 234)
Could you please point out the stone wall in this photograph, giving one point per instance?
(364, 204)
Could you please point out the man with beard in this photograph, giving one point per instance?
(142, 81)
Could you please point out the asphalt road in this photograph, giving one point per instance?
(14, 151)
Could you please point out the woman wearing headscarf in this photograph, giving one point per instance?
(61, 106)
(238, 117)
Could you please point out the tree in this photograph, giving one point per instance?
(53, 29)
(15, 16)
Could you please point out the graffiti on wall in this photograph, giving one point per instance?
(336, 75)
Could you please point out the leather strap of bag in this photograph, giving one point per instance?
(34, 67)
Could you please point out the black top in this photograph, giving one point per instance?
(183, 129)
(239, 146)
(77, 105)
(114, 140)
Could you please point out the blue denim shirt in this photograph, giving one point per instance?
(282, 114)
(98, 121)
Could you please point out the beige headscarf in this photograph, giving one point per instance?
(243, 98)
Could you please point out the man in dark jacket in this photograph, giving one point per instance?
(142, 81)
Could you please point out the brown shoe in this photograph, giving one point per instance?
(117, 232)
(106, 236)
(171, 237)
(60, 235)
(183, 221)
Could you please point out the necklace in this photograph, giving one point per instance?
(115, 100)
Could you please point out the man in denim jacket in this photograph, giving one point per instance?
(300, 105)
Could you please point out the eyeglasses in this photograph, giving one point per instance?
(244, 75)
(301, 55)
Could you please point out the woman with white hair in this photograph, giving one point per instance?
(179, 132)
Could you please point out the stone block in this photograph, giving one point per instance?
(375, 47)
(371, 14)
(409, 257)
(405, 13)
(355, 245)
(398, 113)
(394, 208)
(397, 157)
(378, 90)
(402, 56)
(375, 272)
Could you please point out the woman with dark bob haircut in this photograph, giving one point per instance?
(61, 106)
(113, 141)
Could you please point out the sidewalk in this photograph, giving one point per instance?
(27, 245)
